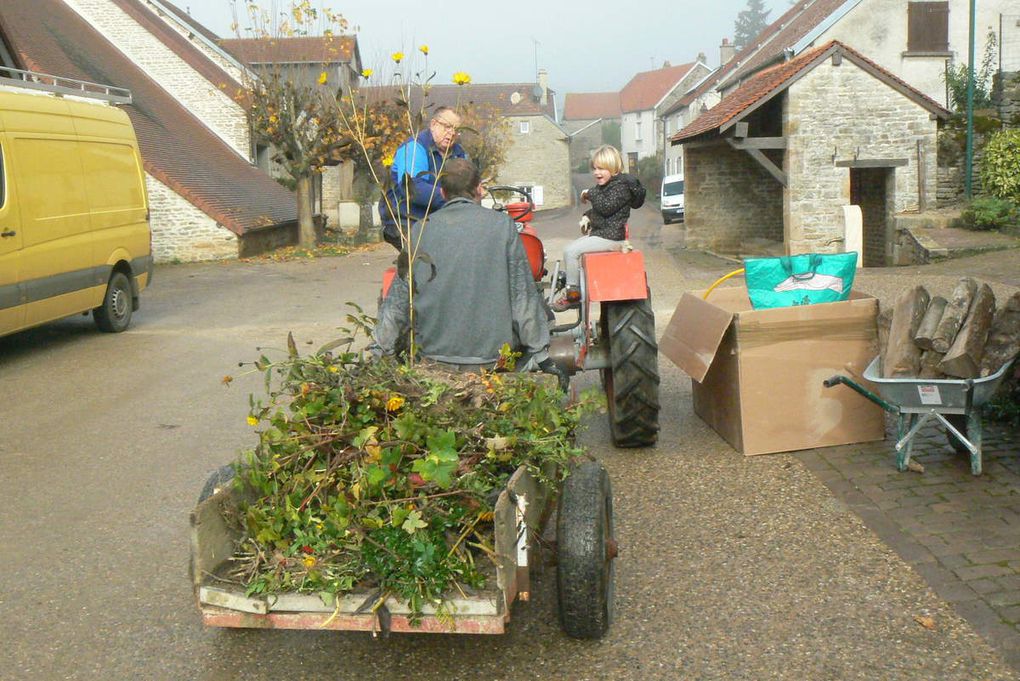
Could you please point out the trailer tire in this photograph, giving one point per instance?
(586, 551)
(959, 422)
(218, 479)
(632, 381)
(114, 315)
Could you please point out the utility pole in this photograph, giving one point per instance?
(536, 55)
(968, 175)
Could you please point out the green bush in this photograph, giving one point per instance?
(649, 171)
(1000, 165)
(986, 212)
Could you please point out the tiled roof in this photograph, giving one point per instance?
(586, 106)
(771, 81)
(177, 149)
(647, 88)
(791, 26)
(178, 43)
(500, 95)
(298, 50)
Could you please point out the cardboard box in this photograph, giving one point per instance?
(757, 374)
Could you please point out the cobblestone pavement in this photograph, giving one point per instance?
(958, 531)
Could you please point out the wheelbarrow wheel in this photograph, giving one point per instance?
(586, 552)
(959, 422)
(631, 381)
(218, 479)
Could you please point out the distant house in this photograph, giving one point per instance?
(585, 117)
(539, 153)
(914, 40)
(643, 101)
(207, 200)
(787, 155)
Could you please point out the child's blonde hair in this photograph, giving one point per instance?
(608, 158)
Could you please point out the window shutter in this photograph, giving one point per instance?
(928, 27)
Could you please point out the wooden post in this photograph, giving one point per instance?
(964, 357)
(955, 313)
(1004, 337)
(903, 357)
(930, 323)
(884, 324)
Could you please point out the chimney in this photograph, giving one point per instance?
(666, 64)
(543, 82)
(726, 51)
(702, 58)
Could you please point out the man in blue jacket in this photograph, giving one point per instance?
(415, 174)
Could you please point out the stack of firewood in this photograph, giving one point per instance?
(926, 336)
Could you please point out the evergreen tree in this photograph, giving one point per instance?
(750, 23)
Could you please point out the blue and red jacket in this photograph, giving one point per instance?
(414, 174)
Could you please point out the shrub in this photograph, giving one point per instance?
(985, 213)
(1000, 165)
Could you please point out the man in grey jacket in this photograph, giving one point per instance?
(473, 286)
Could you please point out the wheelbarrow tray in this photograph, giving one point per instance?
(944, 395)
(518, 515)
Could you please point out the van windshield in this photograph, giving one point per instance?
(672, 188)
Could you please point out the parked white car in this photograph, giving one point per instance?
(672, 198)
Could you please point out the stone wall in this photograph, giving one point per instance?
(206, 100)
(540, 157)
(842, 113)
(183, 233)
(729, 199)
(1006, 95)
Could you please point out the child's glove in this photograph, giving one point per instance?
(585, 225)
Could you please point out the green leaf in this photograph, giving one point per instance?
(376, 475)
(398, 515)
(413, 523)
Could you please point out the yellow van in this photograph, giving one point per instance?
(74, 226)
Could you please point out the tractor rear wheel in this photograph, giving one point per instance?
(632, 381)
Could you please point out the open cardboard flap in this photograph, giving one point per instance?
(695, 331)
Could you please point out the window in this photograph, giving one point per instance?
(637, 130)
(525, 127)
(928, 27)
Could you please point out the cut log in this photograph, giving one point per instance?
(955, 313)
(903, 357)
(1004, 338)
(930, 323)
(930, 364)
(884, 322)
(964, 357)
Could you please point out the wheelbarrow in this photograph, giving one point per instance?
(956, 403)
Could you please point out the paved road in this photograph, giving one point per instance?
(731, 567)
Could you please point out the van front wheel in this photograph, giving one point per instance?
(114, 315)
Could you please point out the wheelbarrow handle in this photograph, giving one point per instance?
(836, 380)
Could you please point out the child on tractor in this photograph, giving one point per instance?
(604, 225)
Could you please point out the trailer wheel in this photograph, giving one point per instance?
(218, 479)
(114, 315)
(959, 422)
(586, 552)
(632, 381)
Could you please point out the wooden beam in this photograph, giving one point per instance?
(763, 160)
(740, 130)
(760, 143)
(873, 163)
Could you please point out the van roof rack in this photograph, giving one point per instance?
(63, 86)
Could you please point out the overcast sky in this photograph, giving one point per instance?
(585, 46)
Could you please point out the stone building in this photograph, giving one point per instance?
(585, 118)
(780, 157)
(207, 200)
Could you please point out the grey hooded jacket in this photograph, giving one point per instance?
(474, 291)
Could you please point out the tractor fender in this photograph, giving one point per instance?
(615, 276)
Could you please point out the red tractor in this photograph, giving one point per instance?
(614, 328)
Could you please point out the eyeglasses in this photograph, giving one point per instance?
(449, 127)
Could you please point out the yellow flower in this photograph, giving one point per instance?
(424, 49)
(366, 73)
(333, 368)
(323, 77)
(387, 161)
(394, 403)
(309, 561)
(461, 78)
(398, 57)
(273, 118)
(252, 421)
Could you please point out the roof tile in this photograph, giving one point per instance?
(583, 106)
(647, 88)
